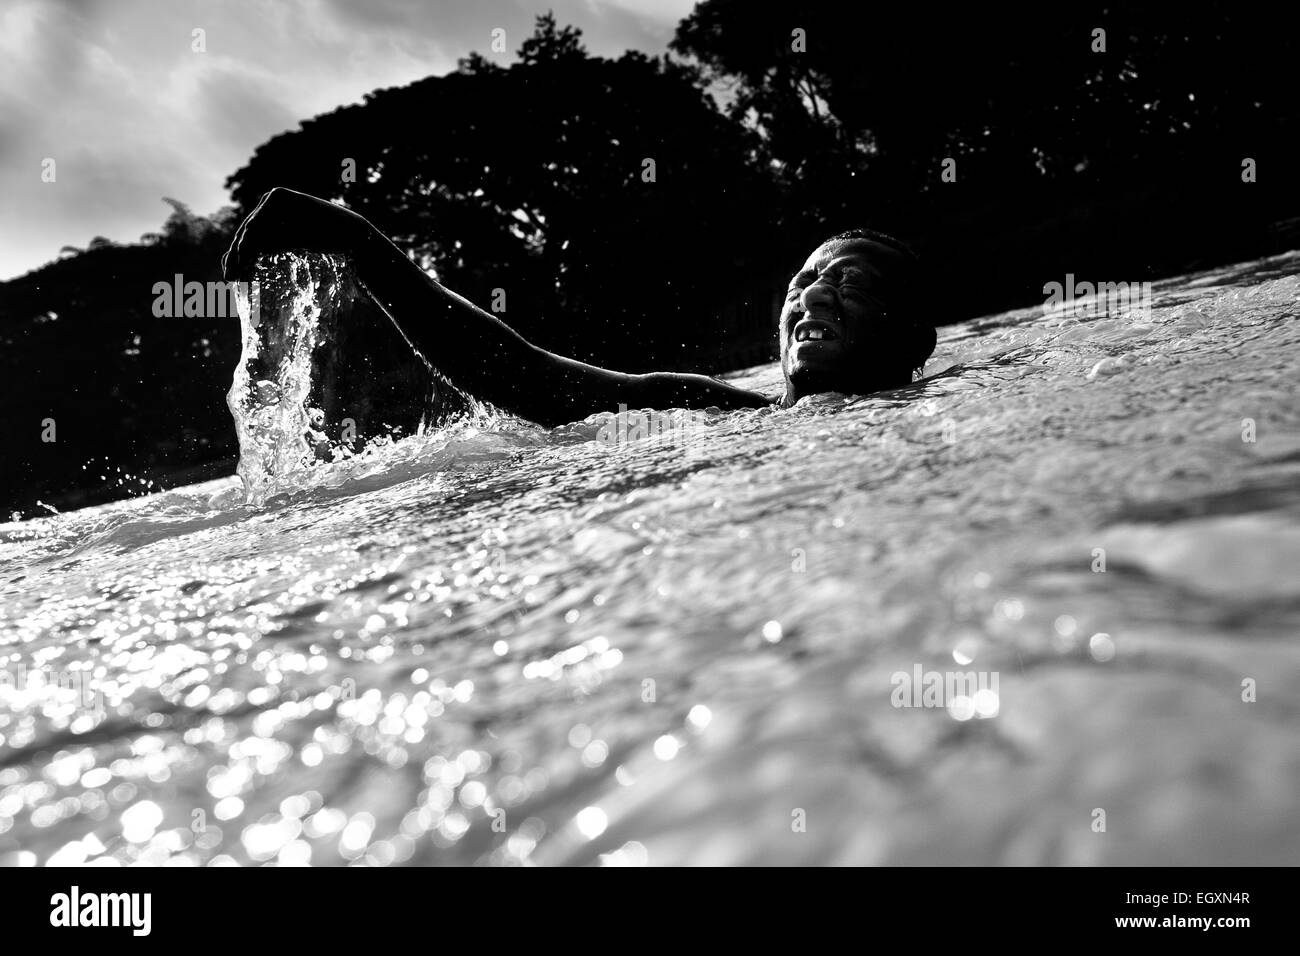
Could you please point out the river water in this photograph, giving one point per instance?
(495, 643)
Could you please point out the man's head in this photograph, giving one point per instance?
(850, 321)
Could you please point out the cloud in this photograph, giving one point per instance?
(663, 12)
(116, 94)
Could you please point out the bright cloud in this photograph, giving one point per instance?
(117, 96)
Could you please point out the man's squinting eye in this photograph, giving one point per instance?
(853, 277)
(851, 281)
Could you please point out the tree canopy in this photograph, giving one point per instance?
(605, 198)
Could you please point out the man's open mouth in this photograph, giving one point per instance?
(816, 330)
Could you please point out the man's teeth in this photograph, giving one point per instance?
(815, 335)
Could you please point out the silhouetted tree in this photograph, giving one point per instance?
(606, 198)
(1067, 156)
(128, 390)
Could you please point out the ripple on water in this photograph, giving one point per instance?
(491, 643)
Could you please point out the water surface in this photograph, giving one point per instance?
(496, 643)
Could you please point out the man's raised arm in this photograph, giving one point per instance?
(476, 351)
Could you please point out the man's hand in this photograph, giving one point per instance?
(286, 220)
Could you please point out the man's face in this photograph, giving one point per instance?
(834, 318)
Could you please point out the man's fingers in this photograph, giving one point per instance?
(238, 258)
(232, 263)
(230, 260)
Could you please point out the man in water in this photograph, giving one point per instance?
(847, 325)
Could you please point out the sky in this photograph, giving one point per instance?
(115, 93)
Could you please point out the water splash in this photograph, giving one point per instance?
(323, 375)
(464, 624)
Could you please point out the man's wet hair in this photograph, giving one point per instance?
(917, 339)
(880, 238)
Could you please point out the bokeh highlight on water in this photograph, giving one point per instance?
(493, 643)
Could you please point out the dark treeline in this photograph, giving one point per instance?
(644, 212)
